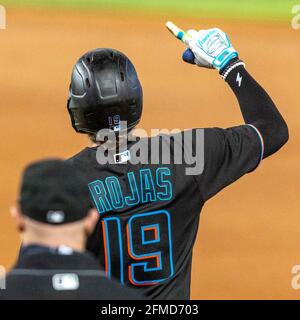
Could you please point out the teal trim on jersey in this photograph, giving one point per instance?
(99, 196)
(115, 192)
(161, 173)
(261, 141)
(134, 198)
(144, 265)
(108, 195)
(150, 227)
(106, 222)
(148, 191)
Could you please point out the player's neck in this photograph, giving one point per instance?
(118, 143)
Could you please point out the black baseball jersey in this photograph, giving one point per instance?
(149, 213)
(45, 274)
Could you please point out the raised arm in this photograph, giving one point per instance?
(232, 152)
(257, 107)
(212, 49)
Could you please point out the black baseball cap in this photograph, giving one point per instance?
(54, 192)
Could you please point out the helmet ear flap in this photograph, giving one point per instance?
(80, 74)
(71, 115)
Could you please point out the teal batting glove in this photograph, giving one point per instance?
(211, 48)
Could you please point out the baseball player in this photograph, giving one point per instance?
(149, 213)
(54, 221)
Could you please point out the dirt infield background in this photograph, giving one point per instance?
(250, 233)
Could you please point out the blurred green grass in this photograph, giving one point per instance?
(239, 9)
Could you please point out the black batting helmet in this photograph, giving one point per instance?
(104, 90)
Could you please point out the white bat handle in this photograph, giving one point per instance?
(178, 33)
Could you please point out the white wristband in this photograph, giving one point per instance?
(225, 75)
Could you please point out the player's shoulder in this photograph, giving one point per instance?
(166, 137)
(234, 134)
(84, 155)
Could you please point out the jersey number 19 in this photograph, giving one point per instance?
(148, 248)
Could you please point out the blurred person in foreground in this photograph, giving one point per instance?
(54, 223)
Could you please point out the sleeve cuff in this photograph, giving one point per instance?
(261, 142)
